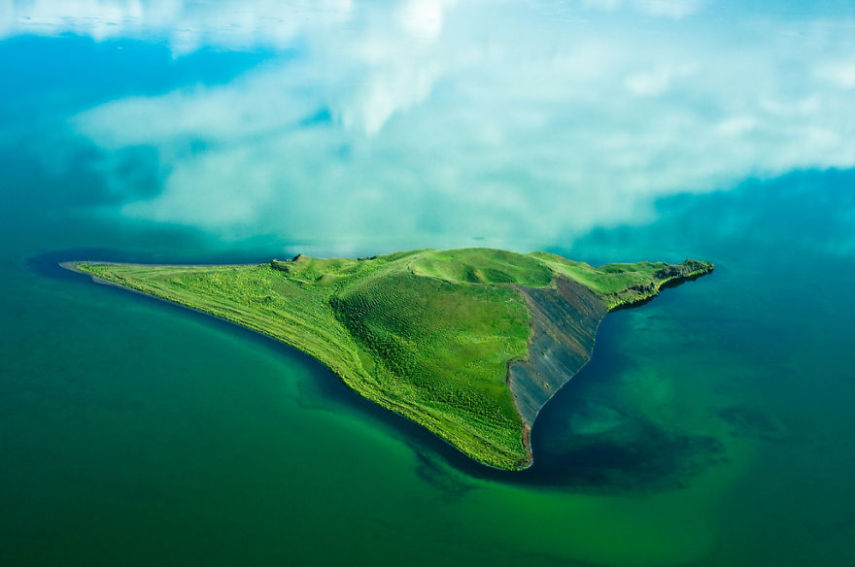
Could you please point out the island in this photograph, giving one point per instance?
(468, 343)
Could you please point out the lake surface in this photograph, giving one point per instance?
(713, 426)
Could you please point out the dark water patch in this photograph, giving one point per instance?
(753, 422)
(759, 226)
(590, 439)
(431, 469)
(634, 456)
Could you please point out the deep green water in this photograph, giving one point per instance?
(713, 427)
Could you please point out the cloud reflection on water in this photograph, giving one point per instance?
(429, 122)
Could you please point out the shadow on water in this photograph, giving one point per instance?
(606, 451)
(589, 439)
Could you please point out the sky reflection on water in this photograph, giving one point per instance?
(447, 123)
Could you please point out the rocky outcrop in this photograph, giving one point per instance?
(688, 269)
(669, 276)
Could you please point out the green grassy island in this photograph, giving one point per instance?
(468, 343)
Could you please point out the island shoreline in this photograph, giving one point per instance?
(527, 425)
(72, 267)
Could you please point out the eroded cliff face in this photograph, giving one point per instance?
(564, 322)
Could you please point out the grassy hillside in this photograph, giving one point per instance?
(428, 334)
(619, 285)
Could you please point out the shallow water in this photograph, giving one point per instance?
(713, 426)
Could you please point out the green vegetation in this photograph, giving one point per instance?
(428, 334)
(620, 285)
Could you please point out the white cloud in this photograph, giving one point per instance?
(675, 9)
(423, 18)
(185, 24)
(482, 119)
(654, 82)
(218, 115)
(839, 73)
(7, 17)
(671, 8)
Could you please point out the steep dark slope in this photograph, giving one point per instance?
(564, 322)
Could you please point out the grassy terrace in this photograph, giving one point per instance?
(425, 333)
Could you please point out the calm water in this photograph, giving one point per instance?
(714, 426)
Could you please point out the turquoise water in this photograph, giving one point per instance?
(713, 427)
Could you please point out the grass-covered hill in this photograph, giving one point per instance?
(432, 335)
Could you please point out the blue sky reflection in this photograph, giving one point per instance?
(430, 122)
